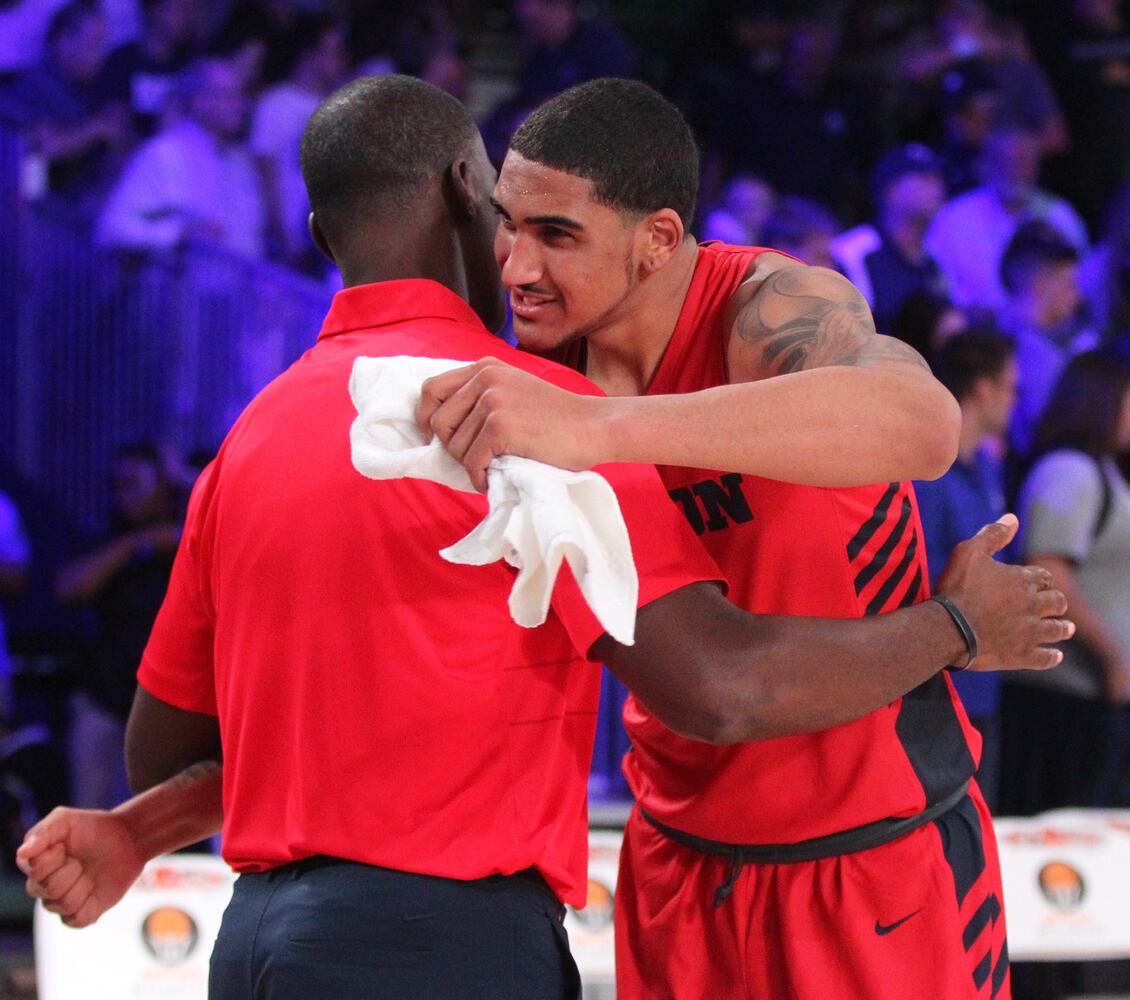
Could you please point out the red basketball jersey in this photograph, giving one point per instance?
(796, 550)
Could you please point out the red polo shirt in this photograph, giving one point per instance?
(376, 702)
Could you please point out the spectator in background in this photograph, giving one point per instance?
(124, 580)
(281, 112)
(561, 48)
(1061, 728)
(23, 27)
(15, 556)
(740, 215)
(979, 367)
(1104, 275)
(927, 320)
(143, 74)
(803, 129)
(969, 102)
(970, 232)
(74, 133)
(195, 179)
(887, 260)
(1039, 270)
(803, 228)
(967, 38)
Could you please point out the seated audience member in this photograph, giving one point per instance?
(927, 320)
(803, 128)
(968, 102)
(1061, 729)
(1104, 274)
(802, 227)
(124, 580)
(142, 74)
(740, 214)
(281, 112)
(1039, 270)
(886, 259)
(970, 231)
(966, 35)
(195, 179)
(73, 131)
(561, 48)
(978, 366)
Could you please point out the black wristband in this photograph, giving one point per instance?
(963, 627)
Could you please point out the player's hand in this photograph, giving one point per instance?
(490, 409)
(80, 862)
(1014, 610)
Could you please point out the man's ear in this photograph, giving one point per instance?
(459, 191)
(319, 237)
(662, 234)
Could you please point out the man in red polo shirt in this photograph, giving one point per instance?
(404, 770)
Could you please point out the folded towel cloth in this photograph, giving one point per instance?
(538, 514)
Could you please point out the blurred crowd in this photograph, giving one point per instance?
(965, 164)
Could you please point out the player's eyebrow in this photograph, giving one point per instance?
(540, 220)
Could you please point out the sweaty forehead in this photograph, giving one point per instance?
(529, 182)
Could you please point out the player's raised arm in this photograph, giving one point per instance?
(819, 399)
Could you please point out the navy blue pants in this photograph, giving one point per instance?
(343, 931)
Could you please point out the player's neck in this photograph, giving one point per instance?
(624, 355)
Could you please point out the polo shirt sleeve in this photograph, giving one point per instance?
(177, 665)
(667, 553)
(1061, 500)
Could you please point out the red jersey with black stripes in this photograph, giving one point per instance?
(796, 550)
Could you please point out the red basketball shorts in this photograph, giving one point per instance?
(920, 918)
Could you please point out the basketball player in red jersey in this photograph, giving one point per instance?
(854, 862)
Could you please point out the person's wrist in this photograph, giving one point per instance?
(965, 632)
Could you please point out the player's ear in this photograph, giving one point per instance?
(662, 233)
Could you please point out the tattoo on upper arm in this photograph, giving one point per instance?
(195, 772)
(804, 318)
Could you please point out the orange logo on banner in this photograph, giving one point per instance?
(1061, 885)
(598, 906)
(169, 934)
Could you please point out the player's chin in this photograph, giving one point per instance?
(538, 336)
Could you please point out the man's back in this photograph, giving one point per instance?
(376, 703)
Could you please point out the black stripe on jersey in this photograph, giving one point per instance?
(960, 830)
(867, 530)
(984, 967)
(989, 910)
(879, 559)
(914, 592)
(1000, 970)
(879, 601)
(934, 742)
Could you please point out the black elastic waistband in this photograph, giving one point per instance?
(858, 838)
(297, 868)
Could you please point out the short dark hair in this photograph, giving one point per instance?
(628, 140)
(1085, 406)
(1034, 246)
(376, 139)
(979, 352)
(794, 220)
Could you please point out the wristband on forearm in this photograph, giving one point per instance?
(963, 627)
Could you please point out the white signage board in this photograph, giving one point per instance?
(154, 945)
(1067, 885)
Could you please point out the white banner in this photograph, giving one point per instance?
(154, 945)
(1067, 885)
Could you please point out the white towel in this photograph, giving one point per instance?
(538, 514)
